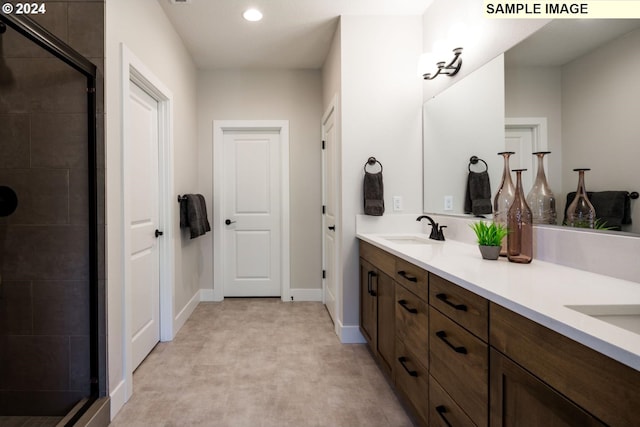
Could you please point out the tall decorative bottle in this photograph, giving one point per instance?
(541, 199)
(581, 212)
(504, 198)
(520, 226)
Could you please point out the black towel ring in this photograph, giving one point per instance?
(474, 160)
(371, 161)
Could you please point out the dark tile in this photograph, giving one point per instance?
(59, 141)
(86, 28)
(46, 253)
(43, 85)
(38, 403)
(78, 196)
(61, 308)
(79, 366)
(16, 312)
(34, 363)
(14, 141)
(16, 45)
(43, 195)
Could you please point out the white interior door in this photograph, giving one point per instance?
(142, 133)
(252, 202)
(329, 178)
(521, 141)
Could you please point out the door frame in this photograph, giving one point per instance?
(219, 127)
(136, 71)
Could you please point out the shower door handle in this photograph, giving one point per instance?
(158, 233)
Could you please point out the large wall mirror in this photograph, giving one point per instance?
(571, 88)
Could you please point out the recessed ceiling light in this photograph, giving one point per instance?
(252, 15)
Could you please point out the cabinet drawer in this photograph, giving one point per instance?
(412, 381)
(412, 323)
(466, 308)
(413, 278)
(443, 410)
(459, 361)
(383, 261)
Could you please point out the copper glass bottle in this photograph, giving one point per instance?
(504, 198)
(520, 226)
(580, 212)
(541, 199)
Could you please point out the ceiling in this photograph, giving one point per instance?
(294, 34)
(577, 36)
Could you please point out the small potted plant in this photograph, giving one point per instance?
(490, 237)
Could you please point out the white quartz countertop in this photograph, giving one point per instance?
(539, 291)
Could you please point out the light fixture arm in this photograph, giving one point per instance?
(450, 69)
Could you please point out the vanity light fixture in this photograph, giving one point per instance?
(252, 15)
(450, 69)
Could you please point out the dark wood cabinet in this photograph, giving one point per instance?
(457, 359)
(519, 399)
(603, 387)
(377, 311)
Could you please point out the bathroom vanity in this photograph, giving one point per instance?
(469, 342)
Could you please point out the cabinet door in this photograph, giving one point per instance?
(386, 319)
(519, 399)
(368, 303)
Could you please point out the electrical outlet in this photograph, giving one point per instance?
(448, 203)
(397, 203)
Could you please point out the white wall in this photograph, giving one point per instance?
(294, 95)
(603, 84)
(537, 92)
(143, 27)
(381, 116)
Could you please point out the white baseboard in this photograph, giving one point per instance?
(118, 398)
(185, 313)
(349, 334)
(207, 295)
(306, 294)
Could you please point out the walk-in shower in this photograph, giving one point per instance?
(52, 337)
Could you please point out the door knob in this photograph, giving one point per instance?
(332, 227)
(158, 233)
(228, 222)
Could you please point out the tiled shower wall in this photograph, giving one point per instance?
(44, 244)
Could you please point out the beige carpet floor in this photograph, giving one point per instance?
(260, 363)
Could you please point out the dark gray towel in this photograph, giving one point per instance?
(614, 207)
(373, 190)
(193, 214)
(478, 195)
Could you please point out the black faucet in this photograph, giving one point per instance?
(436, 231)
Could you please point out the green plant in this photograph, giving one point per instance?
(489, 234)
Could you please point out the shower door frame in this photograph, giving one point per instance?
(52, 44)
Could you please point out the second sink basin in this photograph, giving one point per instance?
(626, 316)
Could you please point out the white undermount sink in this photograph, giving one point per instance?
(409, 240)
(626, 316)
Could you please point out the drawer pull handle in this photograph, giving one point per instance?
(402, 361)
(444, 298)
(443, 336)
(370, 277)
(403, 303)
(409, 277)
(441, 410)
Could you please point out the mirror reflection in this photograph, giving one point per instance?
(579, 99)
